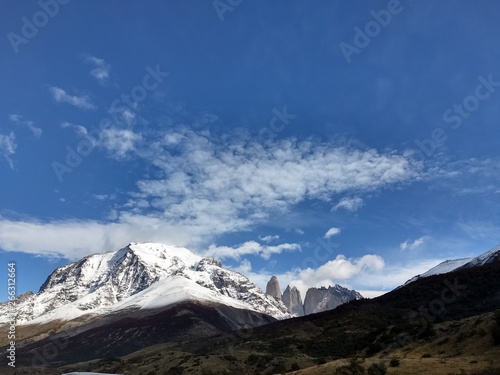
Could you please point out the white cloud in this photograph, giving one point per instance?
(341, 268)
(249, 248)
(19, 119)
(393, 275)
(101, 70)
(270, 238)
(369, 274)
(210, 186)
(116, 141)
(350, 204)
(79, 129)
(119, 142)
(245, 267)
(237, 183)
(104, 197)
(332, 232)
(61, 96)
(409, 245)
(8, 147)
(75, 239)
(123, 115)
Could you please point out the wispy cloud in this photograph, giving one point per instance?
(61, 96)
(116, 141)
(332, 232)
(20, 120)
(412, 245)
(270, 238)
(123, 115)
(213, 185)
(350, 204)
(480, 229)
(244, 181)
(101, 69)
(79, 129)
(249, 248)
(8, 147)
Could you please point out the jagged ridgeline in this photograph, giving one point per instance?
(316, 300)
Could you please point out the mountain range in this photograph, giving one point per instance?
(140, 277)
(148, 276)
(316, 300)
(147, 294)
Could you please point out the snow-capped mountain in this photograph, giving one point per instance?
(461, 263)
(140, 276)
(490, 256)
(443, 267)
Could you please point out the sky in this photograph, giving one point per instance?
(326, 142)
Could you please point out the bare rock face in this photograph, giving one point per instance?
(293, 301)
(273, 288)
(323, 299)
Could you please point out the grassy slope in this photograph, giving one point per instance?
(377, 329)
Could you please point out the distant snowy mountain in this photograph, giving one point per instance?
(490, 256)
(140, 276)
(462, 263)
(443, 267)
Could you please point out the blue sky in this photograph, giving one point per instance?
(326, 142)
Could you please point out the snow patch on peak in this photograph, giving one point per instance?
(443, 267)
(485, 258)
(461, 263)
(163, 255)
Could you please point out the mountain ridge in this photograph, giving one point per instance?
(451, 265)
(141, 276)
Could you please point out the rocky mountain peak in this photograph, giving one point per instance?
(322, 299)
(316, 300)
(142, 276)
(273, 288)
(293, 301)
